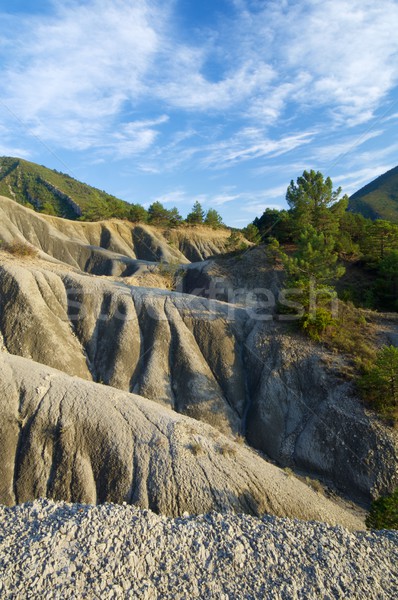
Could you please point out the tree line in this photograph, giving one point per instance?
(156, 214)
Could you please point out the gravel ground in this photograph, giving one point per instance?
(58, 550)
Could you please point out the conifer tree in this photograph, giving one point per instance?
(159, 215)
(312, 201)
(315, 259)
(380, 382)
(311, 273)
(197, 215)
(252, 233)
(213, 219)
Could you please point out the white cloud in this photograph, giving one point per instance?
(224, 198)
(340, 54)
(190, 90)
(335, 150)
(87, 76)
(251, 143)
(135, 137)
(392, 117)
(349, 47)
(377, 155)
(70, 74)
(174, 197)
(11, 150)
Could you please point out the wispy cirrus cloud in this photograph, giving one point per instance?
(262, 87)
(71, 73)
(134, 137)
(334, 53)
(88, 62)
(251, 143)
(330, 151)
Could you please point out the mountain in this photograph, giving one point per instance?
(378, 199)
(51, 192)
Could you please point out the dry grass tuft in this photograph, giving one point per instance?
(20, 249)
(240, 439)
(351, 335)
(315, 485)
(196, 448)
(227, 450)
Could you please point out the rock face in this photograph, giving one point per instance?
(302, 414)
(199, 243)
(108, 551)
(206, 359)
(223, 361)
(68, 439)
(109, 247)
(167, 347)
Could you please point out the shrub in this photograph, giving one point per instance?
(384, 512)
(171, 273)
(379, 383)
(240, 439)
(22, 249)
(235, 241)
(317, 323)
(213, 219)
(252, 233)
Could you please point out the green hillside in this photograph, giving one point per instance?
(378, 199)
(56, 193)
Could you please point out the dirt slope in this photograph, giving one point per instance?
(68, 439)
(206, 359)
(108, 247)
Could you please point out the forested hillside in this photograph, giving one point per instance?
(331, 256)
(53, 193)
(379, 198)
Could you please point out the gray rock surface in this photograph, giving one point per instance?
(225, 363)
(106, 247)
(67, 439)
(207, 359)
(302, 413)
(79, 551)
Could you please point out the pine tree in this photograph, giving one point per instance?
(159, 215)
(315, 259)
(388, 283)
(381, 237)
(213, 219)
(252, 233)
(197, 215)
(311, 273)
(312, 201)
(380, 383)
(275, 223)
(137, 213)
(173, 216)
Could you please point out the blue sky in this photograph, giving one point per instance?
(221, 101)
